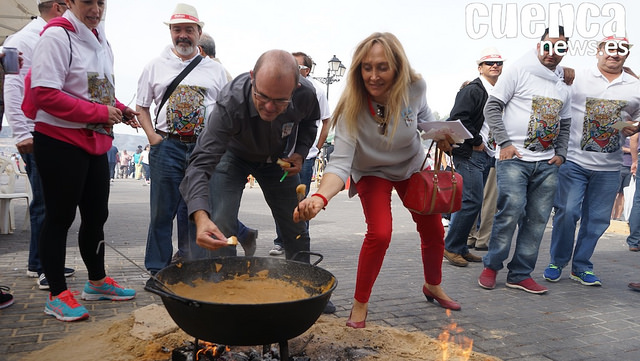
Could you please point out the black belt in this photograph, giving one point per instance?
(181, 138)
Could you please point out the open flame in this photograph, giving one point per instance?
(452, 335)
(211, 350)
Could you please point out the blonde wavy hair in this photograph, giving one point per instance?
(354, 97)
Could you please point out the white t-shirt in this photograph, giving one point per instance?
(596, 105)
(325, 113)
(25, 41)
(485, 132)
(188, 108)
(536, 99)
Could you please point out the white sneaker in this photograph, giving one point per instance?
(276, 250)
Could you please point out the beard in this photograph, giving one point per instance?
(185, 50)
(184, 47)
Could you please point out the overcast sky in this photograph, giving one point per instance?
(442, 38)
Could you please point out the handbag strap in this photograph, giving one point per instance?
(174, 84)
(439, 157)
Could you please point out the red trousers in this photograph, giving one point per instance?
(375, 196)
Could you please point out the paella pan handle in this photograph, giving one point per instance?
(321, 257)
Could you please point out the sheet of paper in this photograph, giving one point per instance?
(622, 124)
(439, 129)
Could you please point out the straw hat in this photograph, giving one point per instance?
(185, 14)
(616, 39)
(489, 54)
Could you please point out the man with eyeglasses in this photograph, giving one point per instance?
(604, 98)
(267, 114)
(472, 158)
(529, 112)
(25, 41)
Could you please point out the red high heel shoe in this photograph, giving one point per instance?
(452, 305)
(361, 324)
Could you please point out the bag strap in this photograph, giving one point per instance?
(174, 84)
(439, 157)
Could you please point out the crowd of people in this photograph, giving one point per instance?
(543, 138)
(124, 165)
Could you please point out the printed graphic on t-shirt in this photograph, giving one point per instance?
(598, 135)
(101, 90)
(544, 123)
(186, 111)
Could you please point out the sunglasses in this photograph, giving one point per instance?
(492, 63)
(547, 48)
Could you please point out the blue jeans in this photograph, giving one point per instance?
(36, 211)
(168, 162)
(634, 217)
(472, 172)
(226, 187)
(305, 178)
(182, 223)
(525, 198)
(586, 195)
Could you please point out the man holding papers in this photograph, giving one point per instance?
(603, 98)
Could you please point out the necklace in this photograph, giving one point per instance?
(380, 116)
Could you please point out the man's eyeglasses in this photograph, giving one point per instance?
(560, 50)
(303, 67)
(265, 99)
(492, 63)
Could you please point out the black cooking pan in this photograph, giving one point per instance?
(245, 324)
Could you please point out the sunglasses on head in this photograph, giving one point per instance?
(560, 50)
(492, 63)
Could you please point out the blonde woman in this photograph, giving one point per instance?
(377, 144)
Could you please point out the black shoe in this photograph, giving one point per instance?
(6, 299)
(482, 248)
(329, 308)
(249, 243)
(68, 272)
(42, 282)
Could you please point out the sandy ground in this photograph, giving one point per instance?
(149, 334)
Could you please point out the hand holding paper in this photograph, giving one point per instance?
(438, 130)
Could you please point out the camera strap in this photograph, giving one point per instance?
(174, 84)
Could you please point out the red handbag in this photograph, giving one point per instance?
(434, 191)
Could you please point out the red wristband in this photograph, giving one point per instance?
(324, 199)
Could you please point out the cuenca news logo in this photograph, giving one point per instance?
(585, 25)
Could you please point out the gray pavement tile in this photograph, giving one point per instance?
(506, 323)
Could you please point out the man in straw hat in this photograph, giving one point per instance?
(604, 98)
(529, 112)
(175, 127)
(472, 158)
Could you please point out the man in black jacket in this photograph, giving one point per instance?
(471, 157)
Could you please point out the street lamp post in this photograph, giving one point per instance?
(334, 73)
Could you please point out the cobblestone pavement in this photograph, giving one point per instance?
(571, 322)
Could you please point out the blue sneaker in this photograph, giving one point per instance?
(587, 278)
(552, 273)
(110, 290)
(64, 307)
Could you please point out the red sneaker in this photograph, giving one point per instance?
(528, 285)
(487, 278)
